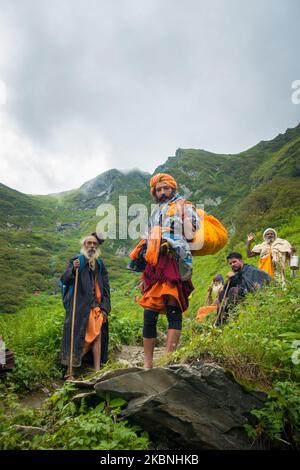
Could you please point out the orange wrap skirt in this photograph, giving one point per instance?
(96, 319)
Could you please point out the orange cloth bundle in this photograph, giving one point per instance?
(203, 311)
(153, 246)
(135, 252)
(211, 237)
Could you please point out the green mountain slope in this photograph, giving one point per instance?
(247, 191)
(105, 188)
(224, 182)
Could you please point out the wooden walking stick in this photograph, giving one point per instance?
(221, 305)
(208, 297)
(73, 324)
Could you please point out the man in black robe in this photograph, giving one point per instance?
(90, 297)
(242, 279)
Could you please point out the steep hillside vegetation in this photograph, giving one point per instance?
(247, 191)
(258, 347)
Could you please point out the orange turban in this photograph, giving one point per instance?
(162, 178)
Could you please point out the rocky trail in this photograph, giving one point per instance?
(125, 355)
(181, 406)
(133, 356)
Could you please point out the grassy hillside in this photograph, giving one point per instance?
(248, 191)
(255, 347)
(38, 234)
(223, 182)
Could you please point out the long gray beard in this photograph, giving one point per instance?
(91, 258)
(217, 288)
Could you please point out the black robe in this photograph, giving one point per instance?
(84, 300)
(249, 279)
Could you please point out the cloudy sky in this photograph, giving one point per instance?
(89, 85)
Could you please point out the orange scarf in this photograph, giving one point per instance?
(152, 252)
(266, 264)
(96, 318)
(153, 246)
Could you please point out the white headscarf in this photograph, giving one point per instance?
(268, 230)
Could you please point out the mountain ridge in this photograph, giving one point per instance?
(246, 191)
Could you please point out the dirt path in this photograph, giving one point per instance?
(126, 356)
(36, 398)
(132, 356)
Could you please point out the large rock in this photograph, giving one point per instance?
(110, 374)
(187, 407)
(29, 431)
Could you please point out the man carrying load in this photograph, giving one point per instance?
(166, 280)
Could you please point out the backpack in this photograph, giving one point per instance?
(66, 290)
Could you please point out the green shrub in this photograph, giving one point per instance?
(279, 420)
(34, 334)
(71, 427)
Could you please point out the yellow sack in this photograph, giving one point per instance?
(211, 237)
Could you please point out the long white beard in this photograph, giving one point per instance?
(91, 258)
(217, 288)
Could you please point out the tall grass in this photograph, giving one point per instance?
(34, 335)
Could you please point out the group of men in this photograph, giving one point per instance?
(164, 257)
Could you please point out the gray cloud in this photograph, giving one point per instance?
(95, 84)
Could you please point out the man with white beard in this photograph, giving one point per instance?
(273, 252)
(92, 306)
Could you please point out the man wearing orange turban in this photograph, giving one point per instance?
(166, 280)
(162, 178)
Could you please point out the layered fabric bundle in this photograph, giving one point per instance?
(211, 237)
(204, 311)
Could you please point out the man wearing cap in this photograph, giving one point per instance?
(273, 253)
(165, 251)
(92, 305)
